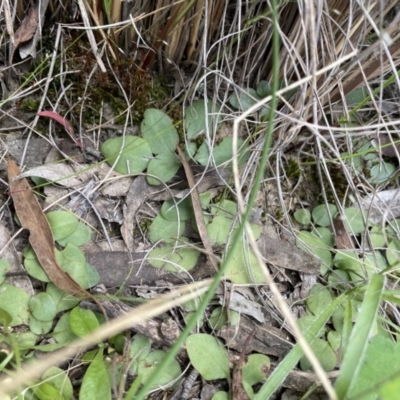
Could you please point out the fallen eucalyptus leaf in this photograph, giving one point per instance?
(41, 239)
(61, 173)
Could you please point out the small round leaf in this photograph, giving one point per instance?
(321, 214)
(302, 216)
(168, 231)
(147, 366)
(208, 356)
(135, 154)
(159, 131)
(324, 353)
(319, 298)
(62, 223)
(42, 307)
(82, 321)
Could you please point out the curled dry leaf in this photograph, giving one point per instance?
(64, 122)
(41, 238)
(26, 31)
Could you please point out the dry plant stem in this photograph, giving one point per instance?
(153, 308)
(198, 212)
(90, 35)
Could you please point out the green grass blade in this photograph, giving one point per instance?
(293, 357)
(358, 342)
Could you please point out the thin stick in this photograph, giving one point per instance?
(198, 212)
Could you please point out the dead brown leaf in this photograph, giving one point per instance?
(41, 238)
(26, 30)
(342, 238)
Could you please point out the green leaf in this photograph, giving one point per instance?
(380, 173)
(42, 307)
(5, 318)
(62, 300)
(244, 100)
(377, 237)
(390, 390)
(79, 237)
(347, 260)
(62, 332)
(244, 268)
(320, 214)
(324, 353)
(148, 365)
(71, 260)
(325, 234)
(162, 168)
(60, 380)
(318, 299)
(306, 323)
(356, 96)
(256, 369)
(159, 131)
(62, 223)
(25, 340)
(224, 208)
(316, 246)
(196, 116)
(302, 216)
(222, 153)
(135, 154)
(375, 262)
(46, 391)
(335, 340)
(32, 265)
(208, 356)
(219, 229)
(382, 360)
(170, 208)
(354, 220)
(219, 318)
(174, 258)
(221, 396)
(39, 327)
(15, 302)
(337, 279)
(96, 383)
(356, 348)
(393, 252)
(263, 89)
(140, 347)
(82, 321)
(168, 231)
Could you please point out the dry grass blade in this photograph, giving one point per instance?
(198, 212)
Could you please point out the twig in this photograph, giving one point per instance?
(198, 212)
